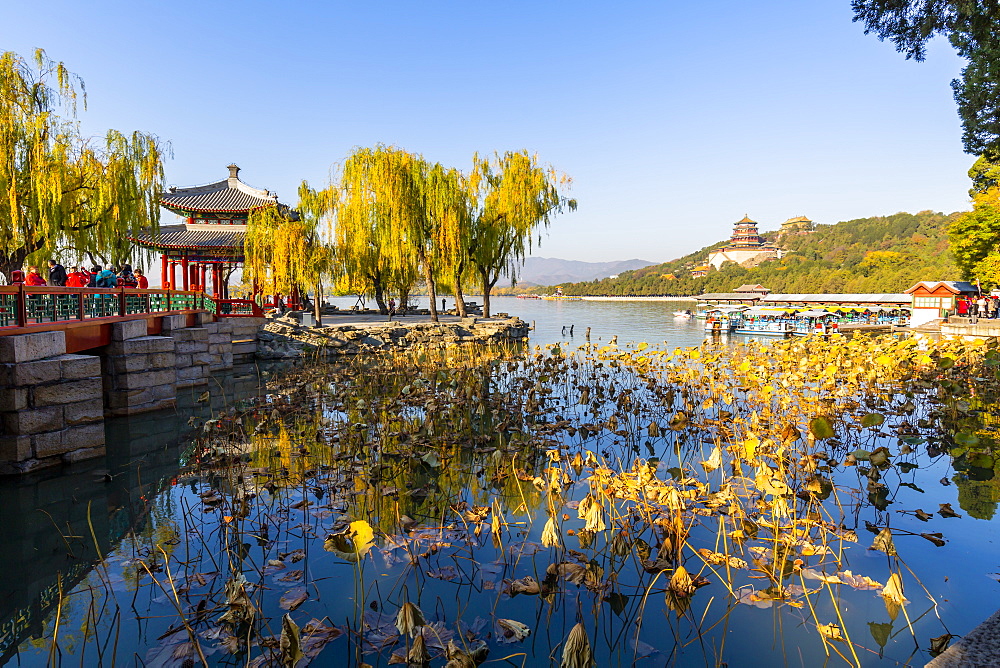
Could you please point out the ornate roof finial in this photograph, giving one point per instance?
(234, 171)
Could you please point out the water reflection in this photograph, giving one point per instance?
(57, 522)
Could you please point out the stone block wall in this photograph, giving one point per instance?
(139, 370)
(244, 336)
(51, 408)
(220, 344)
(192, 358)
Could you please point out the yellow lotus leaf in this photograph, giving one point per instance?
(714, 460)
(831, 632)
(893, 595)
(351, 545)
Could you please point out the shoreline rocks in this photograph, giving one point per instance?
(284, 337)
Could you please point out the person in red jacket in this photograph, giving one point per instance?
(143, 282)
(34, 278)
(75, 279)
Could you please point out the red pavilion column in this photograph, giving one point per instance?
(217, 282)
(163, 271)
(204, 268)
(187, 273)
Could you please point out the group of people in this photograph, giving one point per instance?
(80, 277)
(985, 306)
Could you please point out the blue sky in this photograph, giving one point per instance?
(673, 118)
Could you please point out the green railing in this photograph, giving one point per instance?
(24, 306)
(238, 308)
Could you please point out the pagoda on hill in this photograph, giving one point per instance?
(746, 247)
(745, 234)
(209, 244)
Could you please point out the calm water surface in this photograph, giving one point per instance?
(58, 522)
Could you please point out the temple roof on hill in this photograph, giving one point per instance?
(228, 196)
(954, 287)
(796, 219)
(180, 236)
(752, 288)
(746, 219)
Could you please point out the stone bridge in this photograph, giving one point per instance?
(53, 403)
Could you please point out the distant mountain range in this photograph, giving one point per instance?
(553, 271)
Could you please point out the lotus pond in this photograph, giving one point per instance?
(807, 502)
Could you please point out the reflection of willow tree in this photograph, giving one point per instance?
(449, 445)
(979, 498)
(410, 440)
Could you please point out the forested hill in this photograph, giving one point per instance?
(882, 254)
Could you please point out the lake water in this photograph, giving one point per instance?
(650, 321)
(133, 509)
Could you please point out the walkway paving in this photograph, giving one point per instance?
(364, 318)
(980, 648)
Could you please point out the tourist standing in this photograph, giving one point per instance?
(126, 278)
(982, 307)
(963, 306)
(141, 281)
(75, 279)
(34, 278)
(57, 274)
(104, 278)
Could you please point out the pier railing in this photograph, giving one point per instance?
(23, 306)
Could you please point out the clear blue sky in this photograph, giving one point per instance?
(673, 118)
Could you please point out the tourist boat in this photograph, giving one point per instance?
(527, 296)
(558, 294)
(683, 314)
(765, 322)
(814, 321)
(701, 310)
(722, 319)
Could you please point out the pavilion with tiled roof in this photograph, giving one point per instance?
(210, 241)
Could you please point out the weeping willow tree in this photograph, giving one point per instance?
(510, 195)
(58, 189)
(285, 250)
(396, 215)
(374, 192)
(442, 231)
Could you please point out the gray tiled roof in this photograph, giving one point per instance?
(730, 296)
(835, 298)
(178, 236)
(231, 195)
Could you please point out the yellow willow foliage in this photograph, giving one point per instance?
(373, 197)
(510, 196)
(58, 189)
(283, 248)
(396, 212)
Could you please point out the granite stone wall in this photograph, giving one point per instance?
(51, 408)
